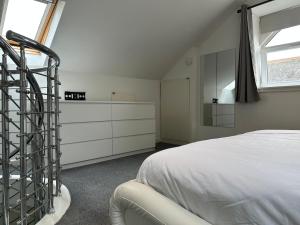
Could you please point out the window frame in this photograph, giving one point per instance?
(44, 27)
(264, 65)
(46, 24)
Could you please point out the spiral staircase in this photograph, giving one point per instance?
(30, 133)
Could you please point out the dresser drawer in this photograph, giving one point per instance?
(133, 127)
(84, 112)
(78, 132)
(133, 111)
(133, 143)
(72, 153)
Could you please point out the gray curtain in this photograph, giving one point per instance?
(246, 89)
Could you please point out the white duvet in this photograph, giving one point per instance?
(253, 178)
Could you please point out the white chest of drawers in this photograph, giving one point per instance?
(95, 131)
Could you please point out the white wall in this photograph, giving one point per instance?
(277, 109)
(100, 88)
(182, 70)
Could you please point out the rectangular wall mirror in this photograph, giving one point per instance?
(218, 72)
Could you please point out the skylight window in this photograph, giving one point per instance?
(24, 17)
(31, 18)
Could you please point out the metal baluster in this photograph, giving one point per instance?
(49, 137)
(57, 132)
(23, 139)
(5, 144)
(35, 160)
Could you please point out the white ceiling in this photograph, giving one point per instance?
(132, 38)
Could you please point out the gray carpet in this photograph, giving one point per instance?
(91, 187)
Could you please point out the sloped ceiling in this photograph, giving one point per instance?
(1, 10)
(132, 38)
(275, 6)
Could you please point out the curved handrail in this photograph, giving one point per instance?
(29, 43)
(7, 49)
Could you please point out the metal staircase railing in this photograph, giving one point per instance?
(30, 156)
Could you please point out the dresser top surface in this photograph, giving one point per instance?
(105, 102)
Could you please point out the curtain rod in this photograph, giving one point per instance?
(258, 4)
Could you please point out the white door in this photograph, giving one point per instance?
(175, 110)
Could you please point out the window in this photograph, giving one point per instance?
(31, 18)
(281, 58)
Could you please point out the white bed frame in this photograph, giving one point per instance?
(134, 203)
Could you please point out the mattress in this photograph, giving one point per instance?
(253, 178)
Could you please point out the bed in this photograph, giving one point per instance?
(252, 178)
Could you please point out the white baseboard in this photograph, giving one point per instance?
(93, 161)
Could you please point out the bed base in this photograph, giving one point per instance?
(134, 203)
